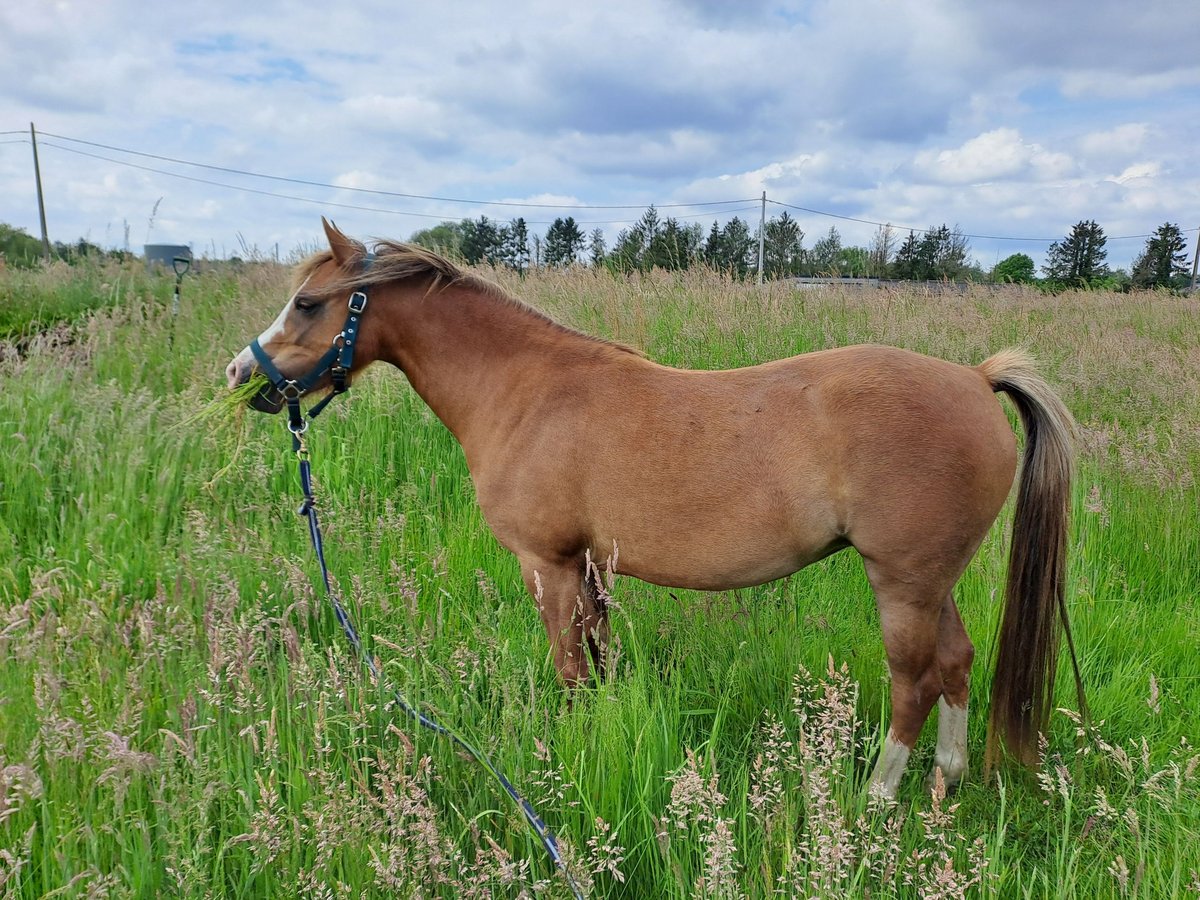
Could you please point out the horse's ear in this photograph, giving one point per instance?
(344, 249)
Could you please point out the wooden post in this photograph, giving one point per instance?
(762, 235)
(37, 177)
(1195, 262)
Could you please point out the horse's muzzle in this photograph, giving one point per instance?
(238, 372)
(268, 400)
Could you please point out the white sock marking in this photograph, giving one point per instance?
(890, 768)
(951, 753)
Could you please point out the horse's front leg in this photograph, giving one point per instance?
(575, 619)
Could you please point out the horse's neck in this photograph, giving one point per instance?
(468, 353)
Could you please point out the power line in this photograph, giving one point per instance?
(818, 212)
(234, 187)
(478, 203)
(381, 193)
(377, 209)
(978, 237)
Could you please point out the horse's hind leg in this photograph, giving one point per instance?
(954, 655)
(575, 619)
(910, 608)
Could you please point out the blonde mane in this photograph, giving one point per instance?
(396, 261)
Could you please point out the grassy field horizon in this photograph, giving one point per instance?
(178, 715)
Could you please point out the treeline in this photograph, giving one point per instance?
(654, 242)
(1080, 260)
(939, 253)
(22, 250)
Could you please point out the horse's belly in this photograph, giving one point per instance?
(748, 574)
(712, 555)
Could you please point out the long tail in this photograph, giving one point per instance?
(1027, 656)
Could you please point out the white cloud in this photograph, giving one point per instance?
(993, 155)
(1110, 84)
(1136, 172)
(780, 179)
(564, 200)
(359, 180)
(397, 112)
(1119, 142)
(916, 114)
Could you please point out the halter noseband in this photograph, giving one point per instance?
(337, 361)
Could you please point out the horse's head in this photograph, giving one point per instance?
(307, 342)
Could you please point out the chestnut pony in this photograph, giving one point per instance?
(724, 479)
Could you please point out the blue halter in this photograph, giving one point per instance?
(337, 361)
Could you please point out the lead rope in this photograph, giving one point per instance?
(308, 509)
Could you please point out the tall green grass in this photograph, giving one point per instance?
(178, 716)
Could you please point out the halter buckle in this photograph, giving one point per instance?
(358, 302)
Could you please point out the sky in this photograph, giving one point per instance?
(1007, 119)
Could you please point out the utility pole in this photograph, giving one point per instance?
(37, 177)
(762, 235)
(1195, 262)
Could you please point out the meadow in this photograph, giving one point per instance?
(179, 716)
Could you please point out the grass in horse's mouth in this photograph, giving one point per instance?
(228, 407)
(226, 414)
(241, 394)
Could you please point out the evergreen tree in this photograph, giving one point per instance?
(597, 248)
(783, 246)
(737, 246)
(515, 247)
(906, 265)
(653, 243)
(654, 251)
(1079, 258)
(629, 249)
(1163, 262)
(952, 262)
(481, 240)
(823, 260)
(662, 249)
(650, 226)
(564, 242)
(941, 254)
(693, 235)
(713, 251)
(727, 249)
(674, 247)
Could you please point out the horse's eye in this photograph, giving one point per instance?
(307, 305)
